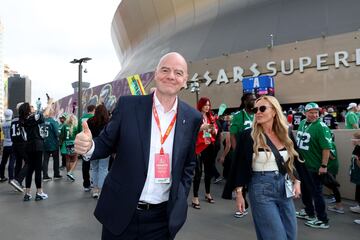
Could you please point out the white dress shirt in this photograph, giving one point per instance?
(152, 192)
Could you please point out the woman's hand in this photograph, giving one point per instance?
(240, 202)
(297, 189)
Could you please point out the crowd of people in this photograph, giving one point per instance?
(33, 136)
(263, 161)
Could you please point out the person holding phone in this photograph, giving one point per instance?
(206, 152)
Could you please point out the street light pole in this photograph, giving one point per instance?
(79, 103)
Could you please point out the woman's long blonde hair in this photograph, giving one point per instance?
(72, 122)
(280, 128)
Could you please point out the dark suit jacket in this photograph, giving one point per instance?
(128, 134)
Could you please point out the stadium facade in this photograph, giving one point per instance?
(311, 48)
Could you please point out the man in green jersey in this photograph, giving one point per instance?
(86, 164)
(242, 119)
(351, 117)
(314, 143)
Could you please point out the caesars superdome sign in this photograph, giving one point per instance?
(287, 67)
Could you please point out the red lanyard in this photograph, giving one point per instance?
(168, 130)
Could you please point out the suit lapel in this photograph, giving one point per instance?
(180, 127)
(144, 116)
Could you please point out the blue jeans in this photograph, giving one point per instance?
(273, 213)
(99, 170)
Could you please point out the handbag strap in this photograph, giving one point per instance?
(278, 158)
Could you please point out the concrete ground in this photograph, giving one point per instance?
(68, 214)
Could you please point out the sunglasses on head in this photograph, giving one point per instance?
(261, 109)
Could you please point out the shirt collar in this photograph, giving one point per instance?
(158, 104)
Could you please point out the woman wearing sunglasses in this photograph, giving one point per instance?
(257, 168)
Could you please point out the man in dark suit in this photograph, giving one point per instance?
(145, 193)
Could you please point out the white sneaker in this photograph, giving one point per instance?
(238, 214)
(15, 184)
(317, 224)
(336, 209)
(70, 176)
(27, 197)
(95, 195)
(355, 209)
(303, 215)
(357, 221)
(41, 196)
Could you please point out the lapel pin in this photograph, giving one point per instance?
(184, 121)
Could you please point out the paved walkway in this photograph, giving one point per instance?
(68, 214)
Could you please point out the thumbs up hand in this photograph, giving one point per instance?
(83, 140)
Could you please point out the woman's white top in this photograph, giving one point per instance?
(266, 161)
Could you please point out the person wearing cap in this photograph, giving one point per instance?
(351, 117)
(314, 143)
(329, 119)
(7, 149)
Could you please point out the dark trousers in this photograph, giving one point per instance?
(22, 162)
(206, 157)
(311, 194)
(335, 191)
(7, 153)
(357, 193)
(45, 166)
(145, 225)
(35, 164)
(86, 173)
(63, 160)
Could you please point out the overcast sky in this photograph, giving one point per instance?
(42, 36)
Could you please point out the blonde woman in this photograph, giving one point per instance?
(67, 137)
(256, 167)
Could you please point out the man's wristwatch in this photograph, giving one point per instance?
(323, 166)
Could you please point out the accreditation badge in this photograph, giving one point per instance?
(162, 168)
(207, 137)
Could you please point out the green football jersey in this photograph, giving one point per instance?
(50, 133)
(312, 138)
(67, 138)
(241, 121)
(350, 119)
